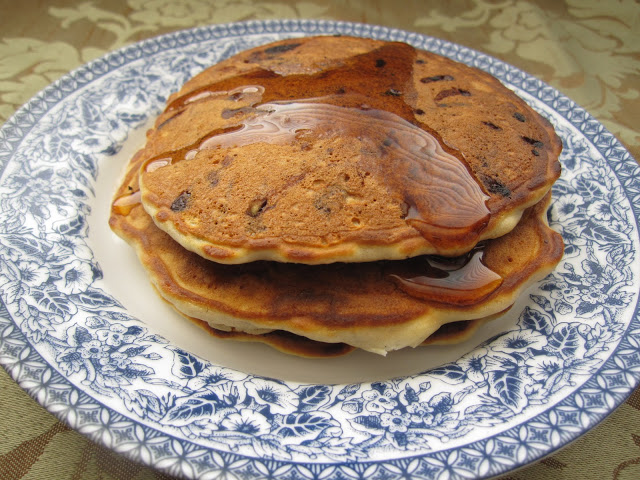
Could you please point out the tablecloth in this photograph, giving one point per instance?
(587, 49)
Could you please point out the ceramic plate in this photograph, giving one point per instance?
(83, 333)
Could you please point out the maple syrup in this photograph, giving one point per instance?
(462, 280)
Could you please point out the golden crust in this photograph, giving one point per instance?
(325, 194)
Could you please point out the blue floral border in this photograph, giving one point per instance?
(392, 414)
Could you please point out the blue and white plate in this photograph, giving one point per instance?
(83, 333)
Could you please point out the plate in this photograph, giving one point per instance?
(83, 333)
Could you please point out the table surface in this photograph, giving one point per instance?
(587, 49)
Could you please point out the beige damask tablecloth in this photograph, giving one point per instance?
(587, 49)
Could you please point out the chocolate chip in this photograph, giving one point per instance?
(340, 91)
(323, 207)
(380, 63)
(419, 111)
(212, 176)
(496, 186)
(420, 61)
(533, 141)
(332, 199)
(281, 48)
(518, 116)
(181, 202)
(493, 126)
(436, 78)
(535, 152)
(450, 92)
(387, 142)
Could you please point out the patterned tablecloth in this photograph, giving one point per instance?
(587, 49)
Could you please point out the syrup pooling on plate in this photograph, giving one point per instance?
(366, 98)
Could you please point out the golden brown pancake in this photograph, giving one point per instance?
(339, 149)
(377, 306)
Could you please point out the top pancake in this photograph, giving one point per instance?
(327, 149)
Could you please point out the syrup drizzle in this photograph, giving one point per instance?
(463, 280)
(125, 203)
(445, 203)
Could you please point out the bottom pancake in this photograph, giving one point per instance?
(286, 342)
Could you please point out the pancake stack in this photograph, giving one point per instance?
(330, 193)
